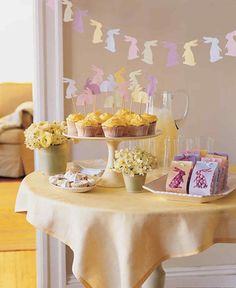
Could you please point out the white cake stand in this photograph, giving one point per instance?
(111, 178)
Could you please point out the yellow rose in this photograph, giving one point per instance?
(46, 140)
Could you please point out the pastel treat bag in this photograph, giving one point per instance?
(221, 173)
(225, 160)
(178, 176)
(187, 157)
(222, 154)
(204, 178)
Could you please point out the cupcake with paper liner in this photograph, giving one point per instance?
(105, 116)
(114, 127)
(137, 126)
(152, 120)
(87, 128)
(71, 120)
(95, 116)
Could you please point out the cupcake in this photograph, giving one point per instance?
(152, 120)
(95, 116)
(114, 127)
(105, 116)
(87, 128)
(137, 126)
(70, 120)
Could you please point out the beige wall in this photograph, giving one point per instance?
(211, 87)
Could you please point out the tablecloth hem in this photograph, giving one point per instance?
(154, 267)
(197, 251)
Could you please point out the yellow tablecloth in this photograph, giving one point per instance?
(119, 238)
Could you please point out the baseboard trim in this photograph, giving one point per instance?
(188, 275)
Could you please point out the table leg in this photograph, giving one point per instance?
(156, 279)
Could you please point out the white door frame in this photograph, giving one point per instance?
(48, 105)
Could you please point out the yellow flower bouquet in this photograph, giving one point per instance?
(45, 134)
(133, 162)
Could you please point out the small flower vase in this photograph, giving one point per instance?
(134, 184)
(53, 160)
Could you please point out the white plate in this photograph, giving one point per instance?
(158, 187)
(76, 189)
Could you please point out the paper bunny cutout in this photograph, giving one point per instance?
(123, 90)
(71, 88)
(68, 11)
(85, 98)
(133, 78)
(138, 95)
(93, 87)
(231, 44)
(97, 35)
(188, 54)
(215, 50)
(151, 86)
(133, 49)
(108, 85)
(110, 41)
(79, 22)
(119, 75)
(147, 52)
(98, 77)
(172, 57)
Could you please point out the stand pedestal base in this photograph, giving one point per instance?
(110, 178)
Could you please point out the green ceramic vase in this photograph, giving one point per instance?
(134, 184)
(53, 160)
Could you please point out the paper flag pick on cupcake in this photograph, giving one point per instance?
(68, 13)
(71, 88)
(85, 98)
(231, 44)
(172, 56)
(133, 78)
(110, 41)
(215, 50)
(97, 35)
(138, 95)
(79, 20)
(147, 52)
(188, 53)
(109, 84)
(133, 49)
(119, 75)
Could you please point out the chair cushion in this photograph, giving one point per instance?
(12, 136)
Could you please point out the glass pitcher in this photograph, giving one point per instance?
(169, 121)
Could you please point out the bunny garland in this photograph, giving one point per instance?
(173, 58)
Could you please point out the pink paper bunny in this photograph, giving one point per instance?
(85, 98)
(172, 57)
(133, 49)
(231, 44)
(79, 22)
(93, 87)
(98, 77)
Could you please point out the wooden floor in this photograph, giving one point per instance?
(17, 242)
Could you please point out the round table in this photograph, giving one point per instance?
(120, 238)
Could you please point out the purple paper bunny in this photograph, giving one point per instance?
(172, 57)
(133, 49)
(79, 22)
